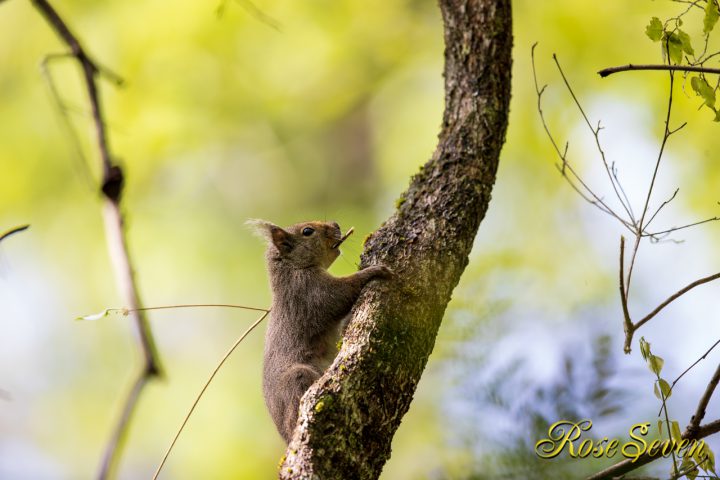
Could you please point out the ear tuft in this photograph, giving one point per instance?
(272, 234)
(261, 228)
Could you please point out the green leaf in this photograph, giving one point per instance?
(710, 464)
(685, 41)
(700, 456)
(96, 316)
(702, 88)
(705, 459)
(644, 348)
(656, 364)
(654, 30)
(711, 16)
(674, 47)
(687, 465)
(675, 431)
(661, 386)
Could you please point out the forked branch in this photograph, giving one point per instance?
(637, 225)
(111, 186)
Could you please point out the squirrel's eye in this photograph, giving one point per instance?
(307, 231)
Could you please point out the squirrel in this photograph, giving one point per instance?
(308, 312)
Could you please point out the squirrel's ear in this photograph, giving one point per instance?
(272, 233)
(281, 239)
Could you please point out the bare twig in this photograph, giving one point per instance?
(63, 114)
(207, 384)
(704, 400)
(111, 187)
(675, 229)
(622, 190)
(672, 197)
(194, 305)
(704, 355)
(627, 323)
(640, 230)
(630, 327)
(674, 297)
(585, 192)
(13, 231)
(590, 197)
(636, 246)
(666, 135)
(119, 433)
(673, 68)
(596, 134)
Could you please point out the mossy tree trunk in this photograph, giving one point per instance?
(349, 416)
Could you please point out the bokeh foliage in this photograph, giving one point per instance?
(325, 116)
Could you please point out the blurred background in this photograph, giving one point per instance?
(293, 111)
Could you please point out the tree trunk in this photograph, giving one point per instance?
(349, 416)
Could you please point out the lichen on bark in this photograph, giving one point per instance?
(349, 416)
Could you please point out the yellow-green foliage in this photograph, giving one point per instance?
(225, 119)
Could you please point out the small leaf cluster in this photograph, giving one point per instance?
(702, 458)
(661, 388)
(675, 41)
(677, 48)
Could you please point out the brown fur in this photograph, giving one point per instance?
(307, 312)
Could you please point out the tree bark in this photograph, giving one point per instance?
(349, 416)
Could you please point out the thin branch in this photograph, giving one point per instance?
(636, 246)
(666, 135)
(119, 254)
(90, 70)
(675, 296)
(675, 130)
(704, 400)
(673, 68)
(662, 206)
(627, 323)
(13, 231)
(675, 229)
(630, 464)
(664, 409)
(622, 190)
(207, 384)
(704, 355)
(709, 57)
(111, 187)
(119, 434)
(64, 116)
(596, 134)
(596, 201)
(692, 3)
(588, 195)
(193, 305)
